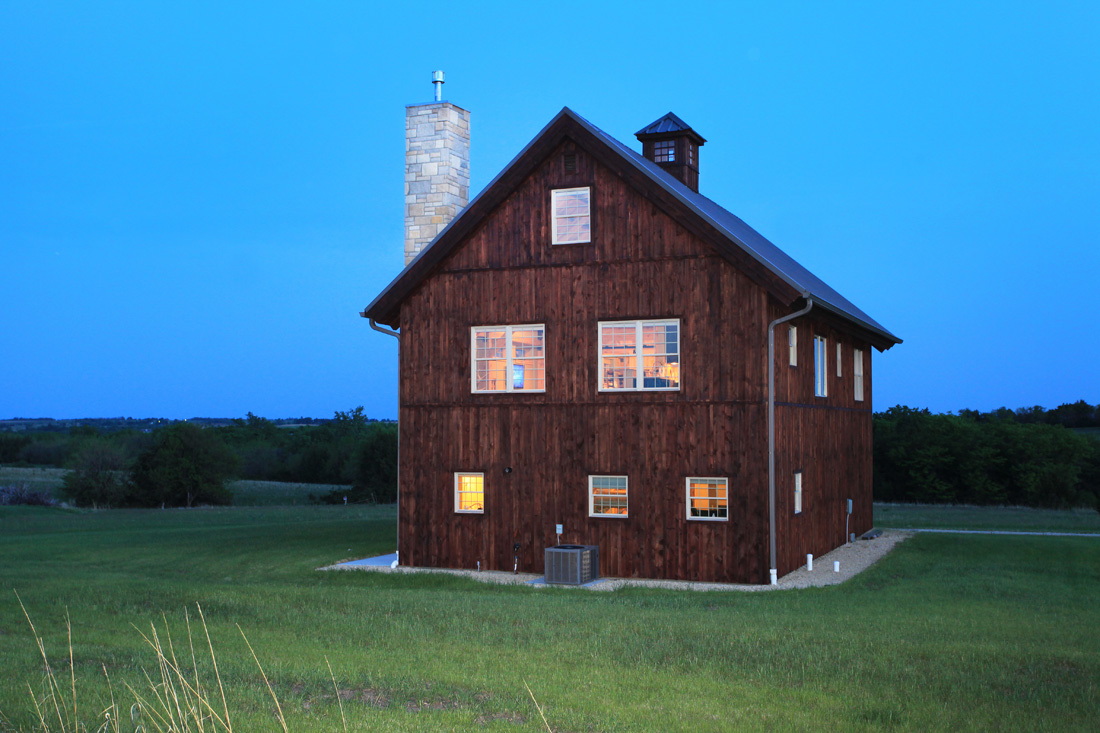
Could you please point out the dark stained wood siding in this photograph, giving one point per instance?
(641, 264)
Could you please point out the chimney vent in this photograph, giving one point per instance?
(437, 82)
(437, 168)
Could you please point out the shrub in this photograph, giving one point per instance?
(13, 495)
(184, 466)
(98, 476)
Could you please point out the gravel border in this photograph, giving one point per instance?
(854, 558)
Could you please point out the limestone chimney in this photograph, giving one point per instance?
(437, 168)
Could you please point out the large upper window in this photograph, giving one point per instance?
(821, 358)
(639, 355)
(470, 493)
(572, 222)
(508, 358)
(708, 498)
(607, 496)
(857, 369)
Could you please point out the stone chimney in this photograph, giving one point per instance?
(672, 144)
(437, 168)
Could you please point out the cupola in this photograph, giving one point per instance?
(672, 144)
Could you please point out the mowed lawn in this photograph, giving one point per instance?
(947, 633)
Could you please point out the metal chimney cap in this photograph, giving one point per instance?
(437, 81)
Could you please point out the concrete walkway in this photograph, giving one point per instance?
(853, 558)
(998, 531)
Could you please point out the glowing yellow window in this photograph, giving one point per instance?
(708, 498)
(470, 493)
(607, 496)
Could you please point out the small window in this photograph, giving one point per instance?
(838, 370)
(820, 367)
(708, 498)
(508, 358)
(691, 154)
(570, 162)
(664, 151)
(572, 221)
(857, 369)
(607, 496)
(470, 493)
(792, 344)
(797, 492)
(648, 348)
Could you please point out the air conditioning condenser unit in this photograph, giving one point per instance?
(572, 564)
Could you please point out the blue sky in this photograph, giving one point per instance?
(197, 199)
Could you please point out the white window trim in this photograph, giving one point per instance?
(592, 498)
(638, 370)
(509, 355)
(458, 475)
(857, 355)
(792, 344)
(839, 368)
(821, 366)
(797, 492)
(554, 216)
(687, 496)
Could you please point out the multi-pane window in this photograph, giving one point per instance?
(639, 355)
(857, 369)
(508, 358)
(797, 492)
(708, 498)
(470, 493)
(792, 344)
(607, 496)
(691, 154)
(664, 151)
(572, 220)
(820, 367)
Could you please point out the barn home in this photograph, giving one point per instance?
(593, 344)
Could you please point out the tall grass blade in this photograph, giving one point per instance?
(537, 707)
(338, 700)
(217, 674)
(278, 707)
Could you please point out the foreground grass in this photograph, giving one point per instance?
(948, 632)
(1016, 518)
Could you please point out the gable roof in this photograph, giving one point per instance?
(733, 238)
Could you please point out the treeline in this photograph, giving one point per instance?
(183, 463)
(1026, 457)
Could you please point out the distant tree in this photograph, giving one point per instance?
(184, 466)
(98, 476)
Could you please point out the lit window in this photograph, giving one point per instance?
(655, 343)
(857, 369)
(470, 493)
(607, 496)
(820, 368)
(792, 344)
(572, 222)
(508, 358)
(838, 372)
(664, 151)
(707, 498)
(797, 492)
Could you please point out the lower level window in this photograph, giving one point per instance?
(470, 493)
(797, 492)
(708, 498)
(607, 496)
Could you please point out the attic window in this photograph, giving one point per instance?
(570, 162)
(572, 221)
(664, 151)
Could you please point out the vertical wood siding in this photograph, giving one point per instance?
(641, 264)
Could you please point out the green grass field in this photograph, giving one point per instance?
(948, 632)
(938, 516)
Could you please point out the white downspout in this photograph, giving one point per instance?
(396, 335)
(771, 433)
